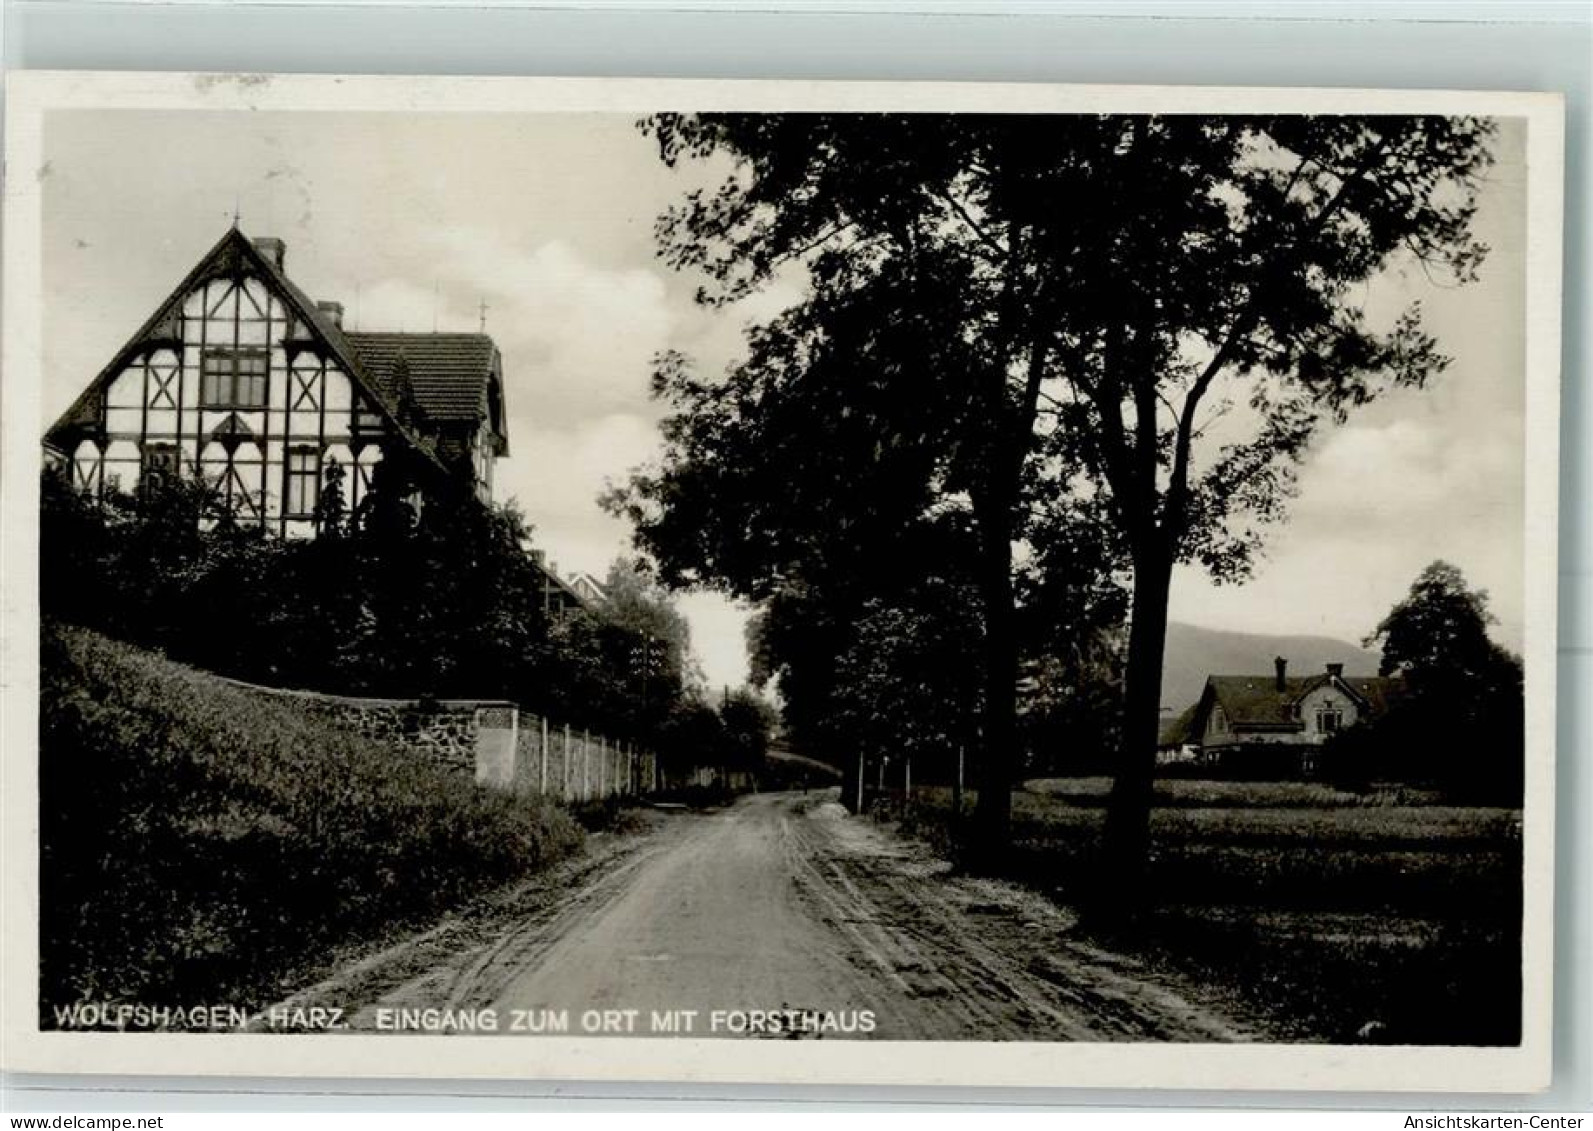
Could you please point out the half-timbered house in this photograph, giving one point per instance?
(241, 379)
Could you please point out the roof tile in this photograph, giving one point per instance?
(448, 373)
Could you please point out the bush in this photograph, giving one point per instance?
(452, 607)
(201, 843)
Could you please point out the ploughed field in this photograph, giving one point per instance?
(1328, 915)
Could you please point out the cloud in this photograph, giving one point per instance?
(1378, 501)
(556, 475)
(578, 337)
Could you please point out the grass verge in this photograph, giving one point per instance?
(201, 843)
(1344, 921)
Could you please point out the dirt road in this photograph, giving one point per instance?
(782, 901)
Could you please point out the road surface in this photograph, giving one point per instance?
(784, 902)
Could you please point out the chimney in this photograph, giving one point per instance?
(1282, 666)
(333, 311)
(1336, 671)
(272, 248)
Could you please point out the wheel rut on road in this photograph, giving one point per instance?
(784, 901)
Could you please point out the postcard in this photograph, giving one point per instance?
(844, 583)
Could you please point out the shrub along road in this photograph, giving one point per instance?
(782, 902)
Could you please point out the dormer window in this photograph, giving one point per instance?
(234, 378)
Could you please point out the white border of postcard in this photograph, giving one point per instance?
(1273, 1067)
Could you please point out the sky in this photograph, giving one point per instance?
(414, 220)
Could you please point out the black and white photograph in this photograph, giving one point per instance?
(1012, 584)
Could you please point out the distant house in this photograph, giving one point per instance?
(1175, 742)
(589, 587)
(1273, 726)
(241, 380)
(560, 598)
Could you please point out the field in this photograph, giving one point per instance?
(203, 844)
(1328, 916)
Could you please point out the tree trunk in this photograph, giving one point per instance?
(993, 810)
(1127, 842)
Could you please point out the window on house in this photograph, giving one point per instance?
(160, 467)
(366, 418)
(304, 477)
(1329, 720)
(233, 378)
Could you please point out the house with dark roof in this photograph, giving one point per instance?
(243, 380)
(560, 598)
(1274, 725)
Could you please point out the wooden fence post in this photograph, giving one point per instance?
(564, 774)
(542, 761)
(602, 766)
(586, 764)
(907, 774)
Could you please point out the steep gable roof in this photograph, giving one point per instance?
(233, 254)
(1256, 702)
(589, 586)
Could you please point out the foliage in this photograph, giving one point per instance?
(448, 603)
(1438, 632)
(750, 722)
(200, 841)
(1460, 722)
(1023, 315)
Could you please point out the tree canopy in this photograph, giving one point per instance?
(1459, 720)
(1135, 322)
(1439, 628)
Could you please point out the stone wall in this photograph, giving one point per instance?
(491, 740)
(441, 731)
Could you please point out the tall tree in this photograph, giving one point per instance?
(1460, 722)
(877, 402)
(750, 721)
(1231, 257)
(1147, 316)
(1439, 630)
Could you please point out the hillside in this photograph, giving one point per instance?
(1194, 653)
(202, 842)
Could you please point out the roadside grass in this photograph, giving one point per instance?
(202, 844)
(618, 815)
(1193, 792)
(1339, 922)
